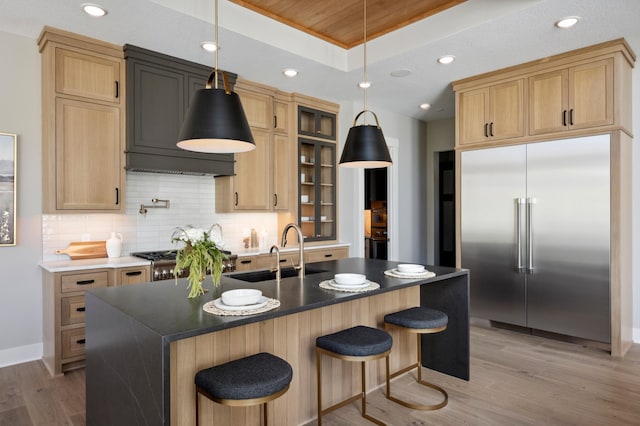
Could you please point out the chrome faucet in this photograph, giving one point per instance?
(300, 266)
(277, 268)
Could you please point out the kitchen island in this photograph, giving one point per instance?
(146, 342)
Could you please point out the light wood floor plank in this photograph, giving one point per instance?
(516, 379)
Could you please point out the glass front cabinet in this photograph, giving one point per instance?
(317, 183)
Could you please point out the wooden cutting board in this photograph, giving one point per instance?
(85, 250)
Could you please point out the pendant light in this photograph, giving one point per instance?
(365, 146)
(216, 122)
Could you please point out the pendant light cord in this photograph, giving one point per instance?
(215, 24)
(364, 44)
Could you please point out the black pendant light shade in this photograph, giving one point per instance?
(365, 147)
(216, 123)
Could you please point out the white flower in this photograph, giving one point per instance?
(193, 235)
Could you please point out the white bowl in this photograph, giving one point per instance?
(242, 296)
(408, 268)
(349, 279)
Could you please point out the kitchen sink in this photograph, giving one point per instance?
(266, 275)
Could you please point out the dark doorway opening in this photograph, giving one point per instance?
(376, 238)
(445, 211)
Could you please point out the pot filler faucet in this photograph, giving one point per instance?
(300, 266)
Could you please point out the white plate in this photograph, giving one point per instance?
(409, 268)
(349, 279)
(261, 304)
(395, 271)
(334, 284)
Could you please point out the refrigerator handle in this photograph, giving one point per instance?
(530, 203)
(519, 203)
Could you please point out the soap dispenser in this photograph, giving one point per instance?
(114, 245)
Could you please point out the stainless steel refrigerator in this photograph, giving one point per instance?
(535, 233)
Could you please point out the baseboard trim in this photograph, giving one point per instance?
(20, 354)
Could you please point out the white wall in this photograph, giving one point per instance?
(20, 285)
(411, 177)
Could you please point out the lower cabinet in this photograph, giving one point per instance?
(290, 258)
(64, 311)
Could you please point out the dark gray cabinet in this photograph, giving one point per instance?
(159, 89)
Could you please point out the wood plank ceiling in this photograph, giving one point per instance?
(341, 21)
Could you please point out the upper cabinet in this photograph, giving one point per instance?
(316, 162)
(572, 98)
(82, 123)
(571, 94)
(316, 123)
(492, 113)
(160, 89)
(262, 177)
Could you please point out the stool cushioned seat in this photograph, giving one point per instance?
(255, 376)
(356, 341)
(418, 318)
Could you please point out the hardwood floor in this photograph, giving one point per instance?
(516, 379)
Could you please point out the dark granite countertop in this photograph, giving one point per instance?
(164, 307)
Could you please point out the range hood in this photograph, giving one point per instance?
(159, 91)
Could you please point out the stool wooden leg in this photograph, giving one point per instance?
(197, 416)
(264, 411)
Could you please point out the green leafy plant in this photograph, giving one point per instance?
(200, 254)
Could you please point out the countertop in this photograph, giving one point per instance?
(82, 264)
(164, 308)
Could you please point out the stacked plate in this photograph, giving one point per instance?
(243, 299)
(349, 281)
(409, 269)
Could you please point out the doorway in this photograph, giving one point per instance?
(375, 204)
(445, 209)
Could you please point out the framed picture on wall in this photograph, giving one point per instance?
(7, 189)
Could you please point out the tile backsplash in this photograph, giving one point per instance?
(192, 202)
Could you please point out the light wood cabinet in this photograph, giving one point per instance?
(290, 258)
(64, 311)
(571, 94)
(574, 98)
(132, 275)
(262, 176)
(83, 123)
(492, 113)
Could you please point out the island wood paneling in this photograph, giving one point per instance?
(292, 338)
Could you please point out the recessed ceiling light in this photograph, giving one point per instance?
(93, 10)
(400, 73)
(364, 84)
(425, 106)
(446, 59)
(290, 72)
(567, 22)
(209, 46)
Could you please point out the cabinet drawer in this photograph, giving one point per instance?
(287, 260)
(246, 263)
(73, 343)
(72, 310)
(326, 254)
(79, 282)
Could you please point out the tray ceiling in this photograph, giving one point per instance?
(341, 21)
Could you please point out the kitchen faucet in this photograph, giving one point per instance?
(277, 268)
(300, 266)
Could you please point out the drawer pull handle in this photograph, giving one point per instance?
(328, 255)
(80, 342)
(133, 273)
(283, 260)
(82, 309)
(117, 89)
(246, 262)
(85, 282)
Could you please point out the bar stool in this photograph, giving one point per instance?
(418, 320)
(358, 343)
(256, 379)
